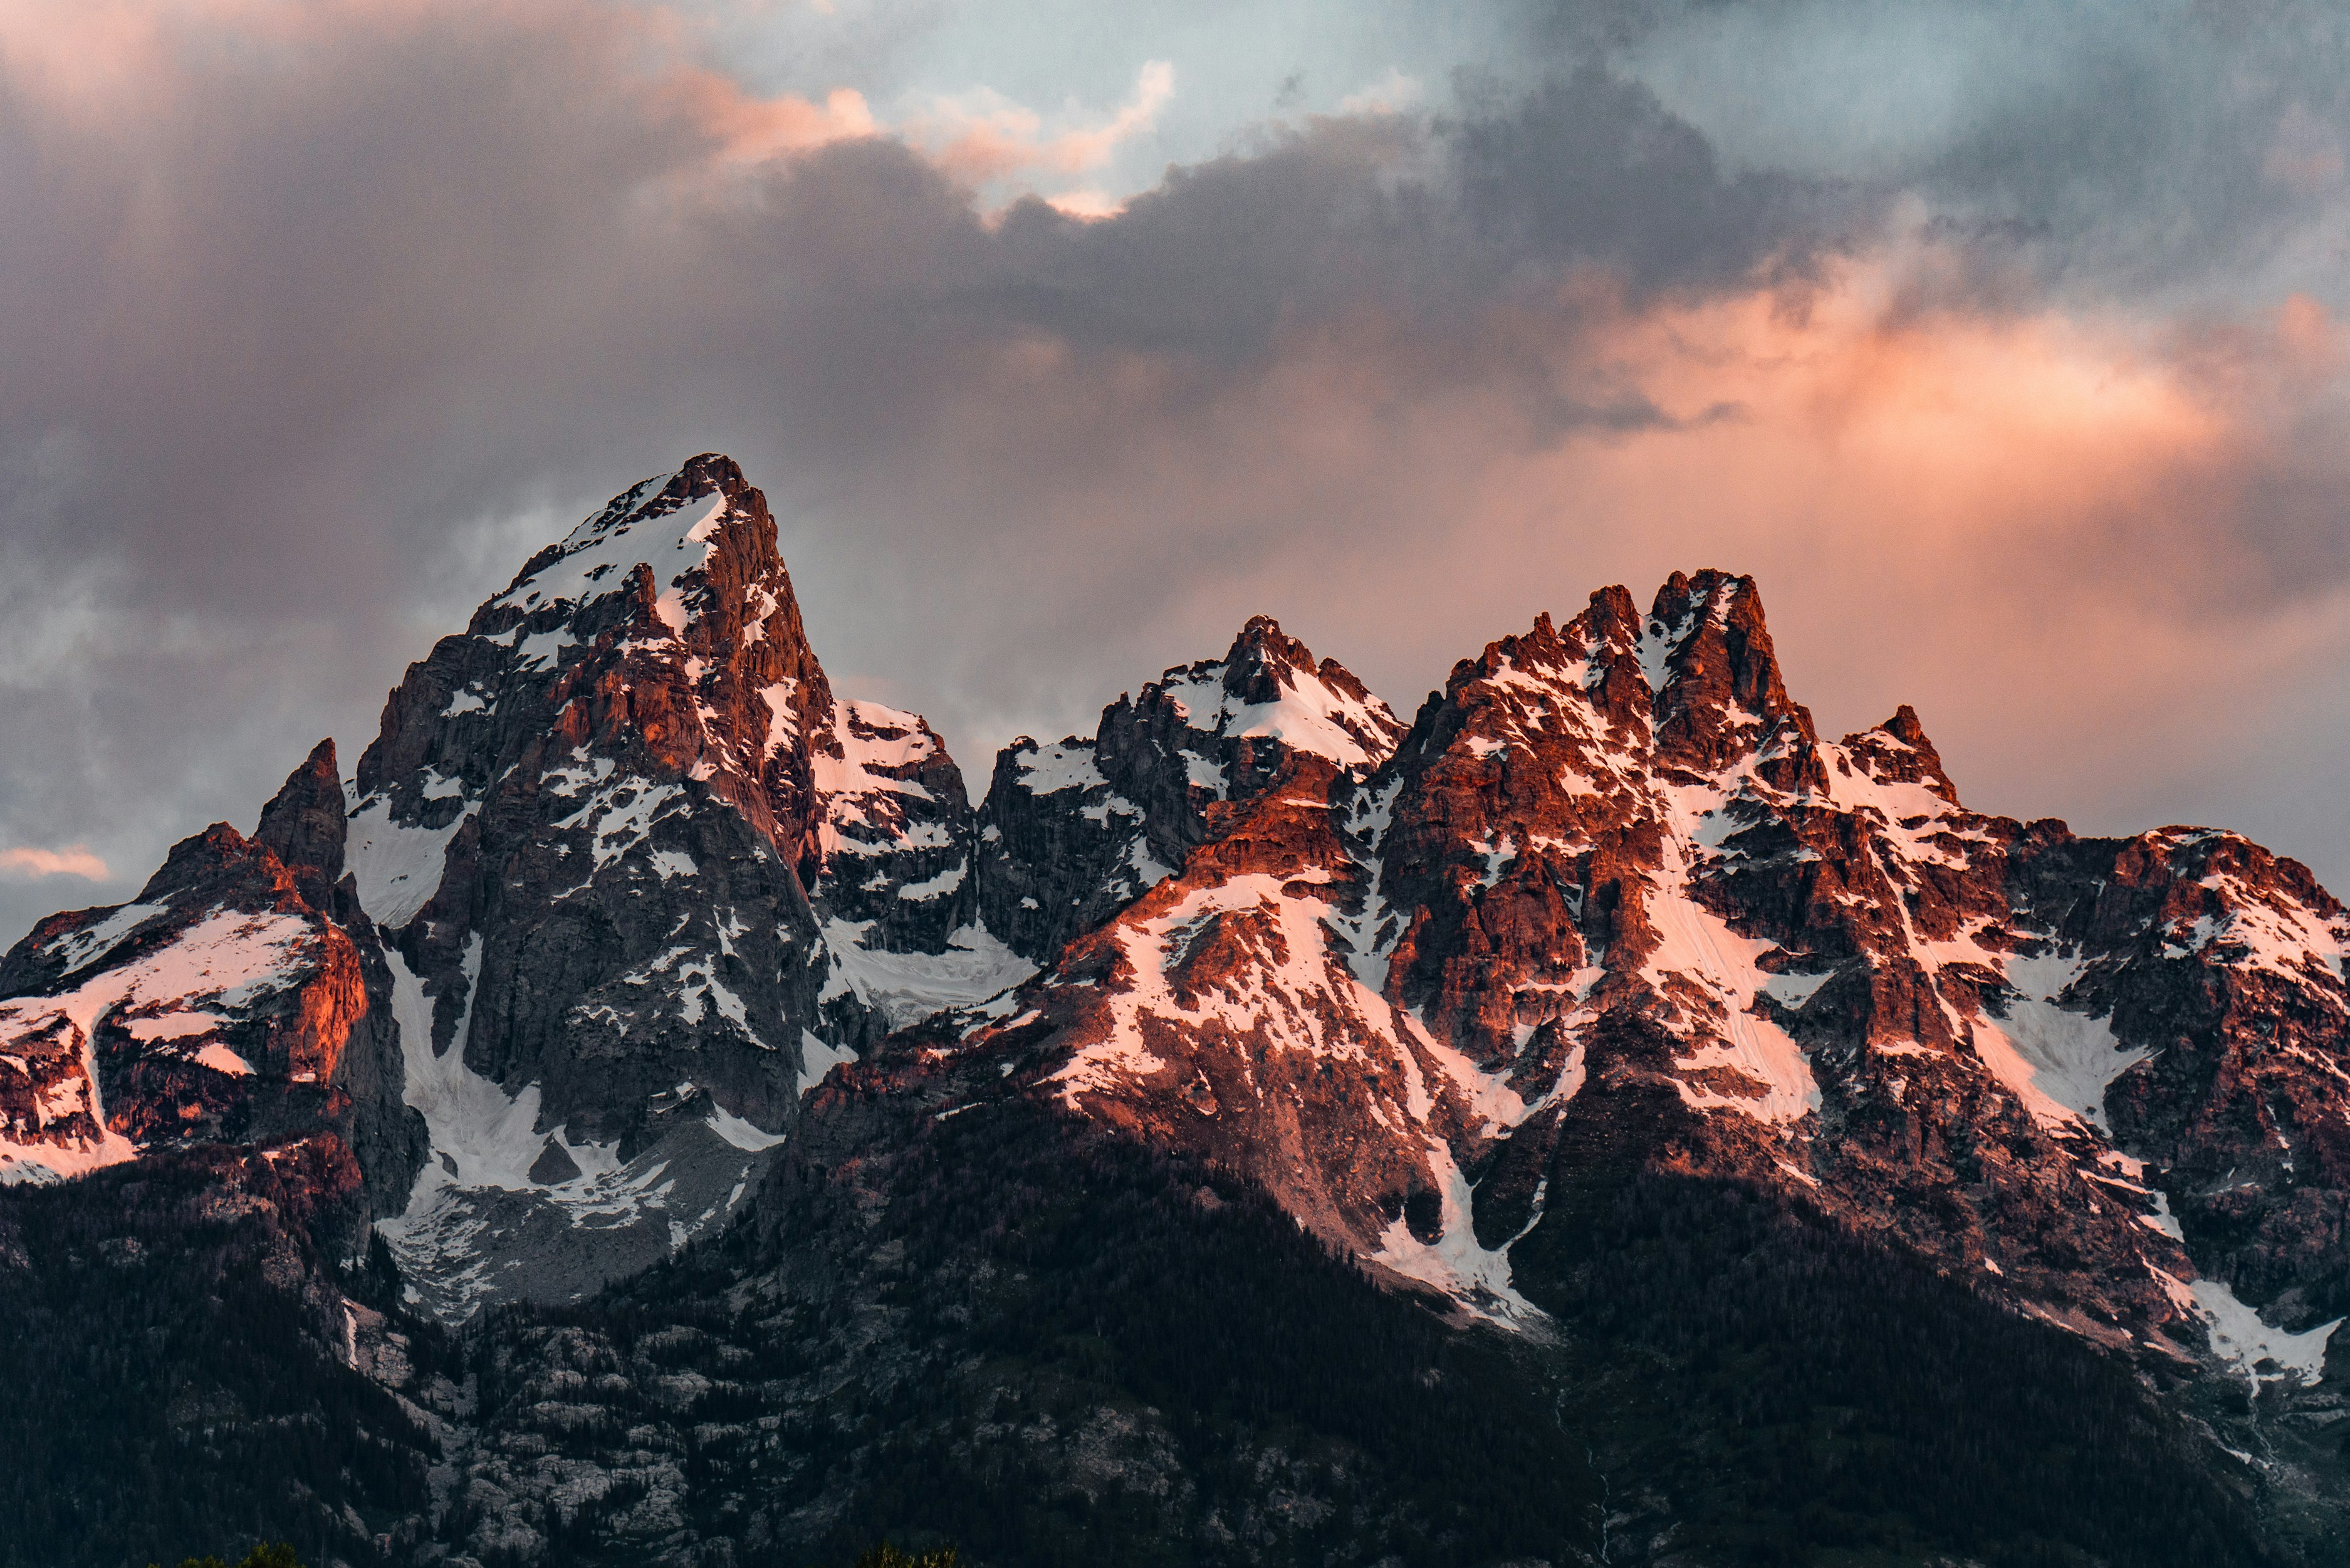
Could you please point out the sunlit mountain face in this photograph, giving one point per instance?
(1259, 954)
(665, 1115)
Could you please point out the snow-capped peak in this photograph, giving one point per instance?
(667, 524)
(1268, 687)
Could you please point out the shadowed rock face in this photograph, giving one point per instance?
(640, 878)
(636, 854)
(589, 819)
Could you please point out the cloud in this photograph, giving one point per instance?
(1394, 93)
(317, 320)
(983, 138)
(74, 860)
(2102, 146)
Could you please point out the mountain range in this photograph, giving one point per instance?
(646, 1113)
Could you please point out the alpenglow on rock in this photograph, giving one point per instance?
(1075, 831)
(630, 934)
(1611, 896)
(241, 998)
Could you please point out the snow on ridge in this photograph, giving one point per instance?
(398, 865)
(1301, 993)
(1659, 641)
(1310, 714)
(84, 948)
(2258, 930)
(872, 738)
(598, 557)
(818, 1059)
(907, 987)
(225, 961)
(1283, 1002)
(1064, 764)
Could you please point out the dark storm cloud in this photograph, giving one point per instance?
(2113, 143)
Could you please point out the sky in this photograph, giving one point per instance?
(2007, 345)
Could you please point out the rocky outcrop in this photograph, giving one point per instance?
(1073, 832)
(237, 999)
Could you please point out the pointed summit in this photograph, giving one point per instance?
(1275, 689)
(1267, 687)
(1715, 676)
(1073, 832)
(1897, 752)
(302, 825)
(634, 853)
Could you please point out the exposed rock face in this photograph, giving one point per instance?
(302, 825)
(637, 856)
(641, 879)
(1073, 832)
(896, 836)
(237, 999)
(631, 714)
(2221, 965)
(545, 992)
(1612, 886)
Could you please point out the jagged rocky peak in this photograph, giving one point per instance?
(1268, 687)
(1071, 832)
(649, 878)
(1613, 892)
(1710, 664)
(663, 630)
(304, 825)
(1899, 752)
(236, 1000)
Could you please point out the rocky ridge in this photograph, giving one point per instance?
(1613, 876)
(241, 998)
(1073, 832)
(546, 991)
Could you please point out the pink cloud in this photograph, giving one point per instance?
(2030, 522)
(73, 860)
(981, 136)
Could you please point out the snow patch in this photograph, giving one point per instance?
(818, 1060)
(398, 865)
(86, 947)
(227, 960)
(907, 987)
(2057, 1061)
(1477, 1277)
(1049, 769)
(2242, 1339)
(1307, 716)
(1699, 947)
